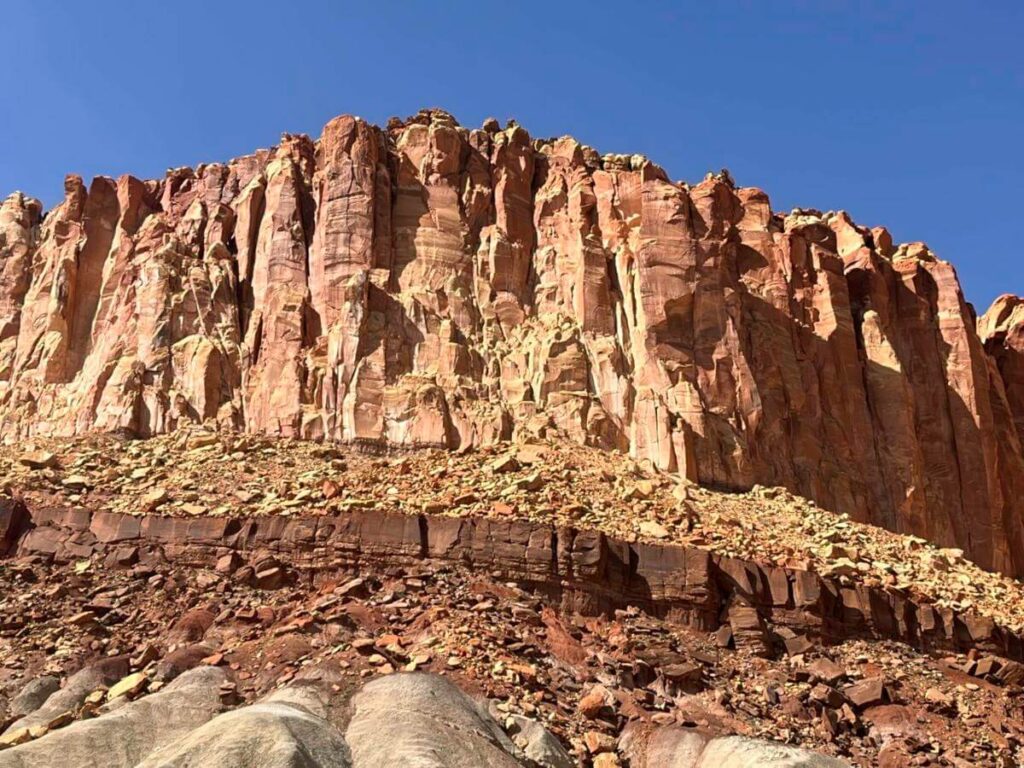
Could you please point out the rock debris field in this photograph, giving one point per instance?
(85, 642)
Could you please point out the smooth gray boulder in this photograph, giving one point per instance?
(538, 743)
(423, 721)
(32, 696)
(270, 734)
(124, 737)
(741, 752)
(672, 747)
(73, 694)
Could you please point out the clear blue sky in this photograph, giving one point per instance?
(908, 114)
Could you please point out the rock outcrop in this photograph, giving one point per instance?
(402, 719)
(276, 733)
(428, 721)
(1002, 331)
(427, 284)
(688, 748)
(125, 735)
(577, 570)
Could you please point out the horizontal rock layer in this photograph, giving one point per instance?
(582, 571)
(426, 284)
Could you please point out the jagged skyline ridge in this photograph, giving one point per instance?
(431, 284)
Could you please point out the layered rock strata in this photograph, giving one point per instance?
(428, 284)
(575, 570)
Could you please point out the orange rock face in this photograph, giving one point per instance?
(427, 284)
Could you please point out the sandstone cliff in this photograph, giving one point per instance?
(427, 284)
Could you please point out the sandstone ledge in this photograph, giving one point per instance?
(578, 570)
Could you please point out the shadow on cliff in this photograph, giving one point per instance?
(803, 442)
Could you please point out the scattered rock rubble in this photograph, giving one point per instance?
(598, 684)
(607, 689)
(197, 474)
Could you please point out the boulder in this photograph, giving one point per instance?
(538, 743)
(279, 732)
(122, 738)
(32, 696)
(677, 747)
(424, 720)
(73, 694)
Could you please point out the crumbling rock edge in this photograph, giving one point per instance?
(576, 570)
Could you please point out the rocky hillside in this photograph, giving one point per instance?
(325, 634)
(429, 284)
(204, 599)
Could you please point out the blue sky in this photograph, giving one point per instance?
(907, 114)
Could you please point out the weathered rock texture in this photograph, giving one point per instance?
(1002, 331)
(676, 747)
(269, 734)
(414, 720)
(575, 570)
(421, 720)
(124, 736)
(430, 284)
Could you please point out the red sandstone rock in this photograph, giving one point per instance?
(434, 285)
(867, 693)
(13, 521)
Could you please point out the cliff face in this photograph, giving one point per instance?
(427, 284)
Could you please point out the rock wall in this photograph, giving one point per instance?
(575, 570)
(427, 284)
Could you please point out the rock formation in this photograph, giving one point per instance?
(401, 720)
(428, 284)
(126, 735)
(686, 748)
(202, 598)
